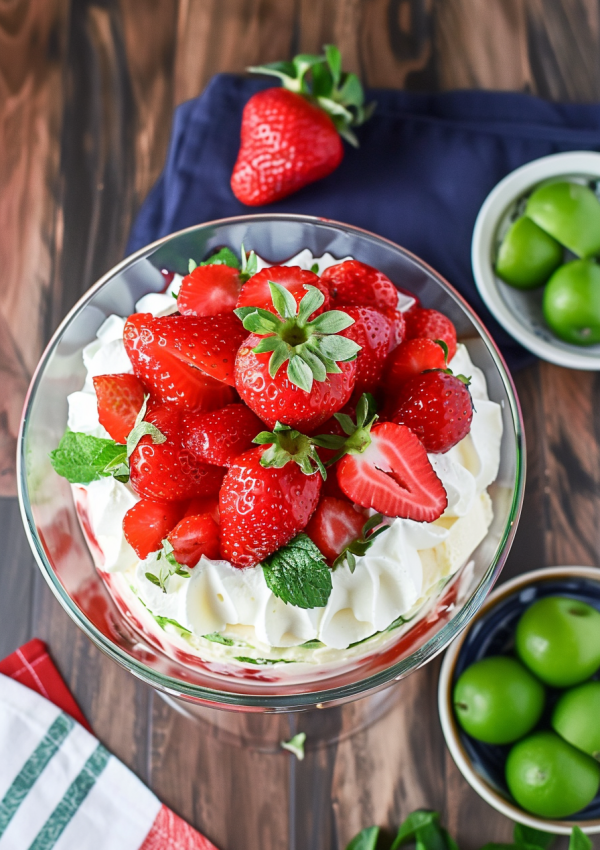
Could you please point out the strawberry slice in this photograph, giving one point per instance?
(219, 437)
(431, 324)
(175, 356)
(168, 471)
(393, 475)
(147, 523)
(209, 290)
(193, 537)
(120, 399)
(257, 293)
(412, 357)
(334, 525)
(352, 282)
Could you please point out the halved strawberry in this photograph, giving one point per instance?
(334, 525)
(431, 324)
(437, 407)
(394, 476)
(385, 467)
(352, 282)
(148, 522)
(412, 357)
(168, 471)
(219, 437)
(257, 293)
(175, 357)
(373, 332)
(193, 537)
(209, 290)
(120, 399)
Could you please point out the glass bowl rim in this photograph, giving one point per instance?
(302, 700)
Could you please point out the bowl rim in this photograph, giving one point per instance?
(450, 726)
(516, 183)
(301, 699)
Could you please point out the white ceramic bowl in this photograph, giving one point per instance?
(493, 625)
(520, 311)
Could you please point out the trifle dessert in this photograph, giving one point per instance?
(280, 466)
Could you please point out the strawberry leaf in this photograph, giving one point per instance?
(332, 322)
(283, 300)
(297, 574)
(287, 445)
(300, 373)
(81, 458)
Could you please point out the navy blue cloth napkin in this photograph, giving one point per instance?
(423, 169)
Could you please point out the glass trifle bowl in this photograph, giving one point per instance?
(301, 675)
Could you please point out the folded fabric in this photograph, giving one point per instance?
(59, 787)
(423, 169)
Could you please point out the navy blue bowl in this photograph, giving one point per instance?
(492, 633)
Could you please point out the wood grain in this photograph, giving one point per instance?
(87, 91)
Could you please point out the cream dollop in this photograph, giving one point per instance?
(396, 575)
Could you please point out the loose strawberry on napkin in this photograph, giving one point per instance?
(59, 787)
(290, 136)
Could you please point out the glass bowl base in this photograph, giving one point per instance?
(264, 731)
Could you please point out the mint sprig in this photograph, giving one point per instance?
(81, 458)
(312, 349)
(295, 745)
(297, 574)
(423, 828)
(168, 567)
(248, 264)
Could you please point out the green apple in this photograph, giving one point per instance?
(576, 718)
(549, 777)
(497, 700)
(570, 212)
(571, 302)
(528, 255)
(559, 640)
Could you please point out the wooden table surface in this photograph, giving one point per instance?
(87, 92)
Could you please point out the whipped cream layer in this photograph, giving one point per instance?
(222, 612)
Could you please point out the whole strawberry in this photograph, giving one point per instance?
(268, 496)
(372, 331)
(437, 407)
(294, 369)
(290, 136)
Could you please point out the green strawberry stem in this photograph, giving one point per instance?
(372, 528)
(337, 93)
(288, 445)
(358, 435)
(312, 349)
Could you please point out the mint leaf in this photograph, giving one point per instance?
(527, 835)
(167, 621)
(297, 574)
(579, 841)
(365, 840)
(82, 459)
(295, 745)
(247, 660)
(215, 637)
(223, 257)
(423, 827)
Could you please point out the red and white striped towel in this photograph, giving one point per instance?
(60, 789)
